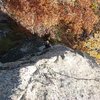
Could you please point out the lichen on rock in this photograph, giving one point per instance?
(41, 15)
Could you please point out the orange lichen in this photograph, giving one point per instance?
(40, 15)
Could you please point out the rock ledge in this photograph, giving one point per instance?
(58, 74)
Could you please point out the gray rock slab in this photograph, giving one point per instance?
(58, 74)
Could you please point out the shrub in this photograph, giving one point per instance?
(48, 16)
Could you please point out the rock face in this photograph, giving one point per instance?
(58, 73)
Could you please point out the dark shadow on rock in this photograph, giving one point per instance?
(14, 39)
(25, 48)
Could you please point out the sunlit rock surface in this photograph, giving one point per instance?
(58, 73)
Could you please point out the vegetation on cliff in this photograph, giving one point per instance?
(66, 21)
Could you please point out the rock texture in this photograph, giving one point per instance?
(58, 73)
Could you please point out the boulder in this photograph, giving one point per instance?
(58, 73)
